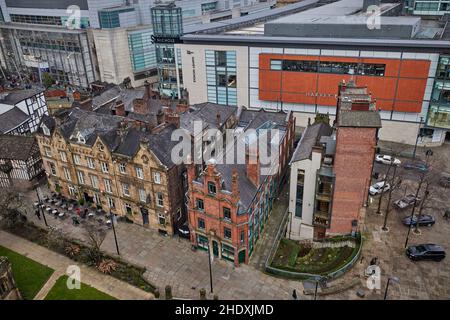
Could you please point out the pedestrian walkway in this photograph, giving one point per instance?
(107, 284)
(267, 238)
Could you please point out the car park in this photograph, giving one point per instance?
(379, 187)
(427, 251)
(387, 159)
(423, 220)
(407, 201)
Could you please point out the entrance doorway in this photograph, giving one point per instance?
(215, 248)
(144, 213)
(241, 256)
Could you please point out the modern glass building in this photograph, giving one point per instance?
(167, 20)
(112, 17)
(142, 50)
(427, 7)
(221, 77)
(439, 111)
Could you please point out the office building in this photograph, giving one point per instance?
(293, 58)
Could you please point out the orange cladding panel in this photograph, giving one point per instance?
(299, 82)
(415, 68)
(383, 88)
(411, 89)
(408, 106)
(269, 80)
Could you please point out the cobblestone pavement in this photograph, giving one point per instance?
(418, 280)
(171, 261)
(265, 242)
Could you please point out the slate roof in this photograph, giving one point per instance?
(14, 97)
(11, 119)
(16, 147)
(309, 139)
(207, 113)
(365, 119)
(256, 118)
(120, 138)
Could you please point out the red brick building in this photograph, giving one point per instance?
(357, 126)
(230, 203)
(331, 168)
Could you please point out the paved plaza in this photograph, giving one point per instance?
(172, 261)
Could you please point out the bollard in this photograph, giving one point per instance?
(156, 293)
(202, 294)
(169, 293)
(216, 297)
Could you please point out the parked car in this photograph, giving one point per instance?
(406, 201)
(379, 187)
(420, 166)
(427, 251)
(424, 220)
(183, 231)
(386, 159)
(444, 180)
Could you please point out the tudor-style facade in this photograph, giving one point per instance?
(22, 111)
(130, 181)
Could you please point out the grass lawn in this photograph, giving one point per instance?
(30, 275)
(61, 292)
(293, 256)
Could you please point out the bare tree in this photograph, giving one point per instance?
(395, 182)
(95, 235)
(11, 207)
(395, 151)
(427, 180)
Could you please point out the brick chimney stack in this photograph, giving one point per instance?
(120, 109)
(253, 167)
(235, 183)
(218, 119)
(182, 108)
(173, 118)
(148, 91)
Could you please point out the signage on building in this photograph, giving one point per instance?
(193, 70)
(163, 39)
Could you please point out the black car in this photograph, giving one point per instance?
(424, 220)
(183, 231)
(427, 251)
(444, 181)
(420, 166)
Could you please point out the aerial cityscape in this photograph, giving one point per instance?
(231, 150)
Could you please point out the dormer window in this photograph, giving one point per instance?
(80, 138)
(211, 188)
(45, 130)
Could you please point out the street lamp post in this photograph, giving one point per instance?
(114, 231)
(210, 269)
(395, 279)
(429, 153)
(417, 138)
(40, 207)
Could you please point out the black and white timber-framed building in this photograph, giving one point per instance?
(22, 111)
(20, 161)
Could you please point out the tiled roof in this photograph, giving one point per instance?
(16, 147)
(309, 139)
(367, 119)
(11, 119)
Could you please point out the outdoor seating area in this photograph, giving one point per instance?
(59, 207)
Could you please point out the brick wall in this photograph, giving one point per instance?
(353, 168)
